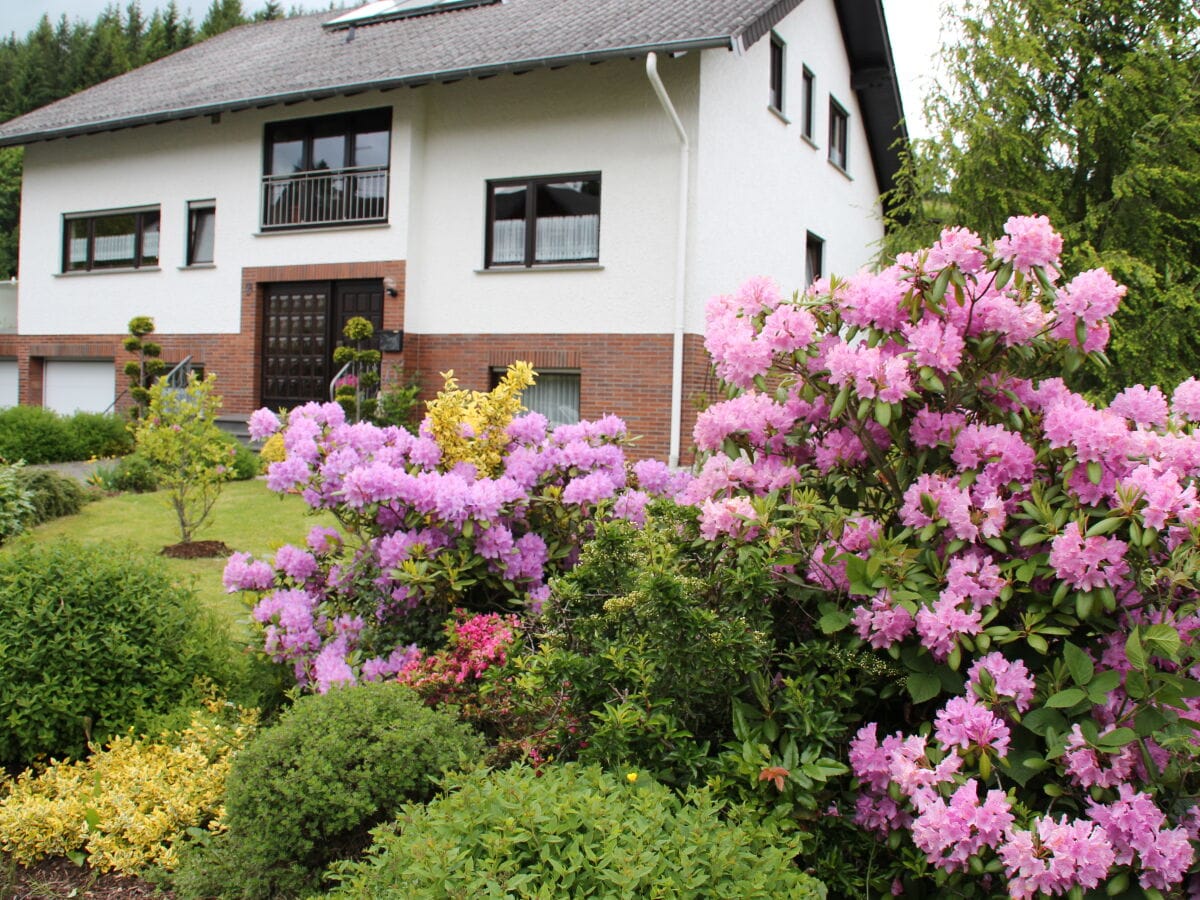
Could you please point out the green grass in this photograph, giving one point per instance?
(247, 517)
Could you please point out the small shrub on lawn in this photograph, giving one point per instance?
(96, 640)
(126, 805)
(52, 496)
(574, 831)
(244, 463)
(308, 790)
(133, 473)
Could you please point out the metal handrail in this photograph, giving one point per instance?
(336, 378)
(174, 379)
(325, 197)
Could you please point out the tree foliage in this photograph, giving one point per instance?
(1086, 111)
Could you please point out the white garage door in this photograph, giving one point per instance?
(72, 385)
(8, 382)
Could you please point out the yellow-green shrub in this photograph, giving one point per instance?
(471, 426)
(273, 450)
(124, 806)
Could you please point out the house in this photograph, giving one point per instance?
(562, 181)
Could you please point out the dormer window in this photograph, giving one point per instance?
(331, 170)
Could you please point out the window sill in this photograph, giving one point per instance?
(196, 266)
(548, 267)
(128, 271)
(808, 140)
(319, 229)
(847, 175)
(777, 113)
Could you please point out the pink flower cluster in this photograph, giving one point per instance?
(410, 514)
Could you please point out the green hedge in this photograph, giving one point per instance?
(39, 435)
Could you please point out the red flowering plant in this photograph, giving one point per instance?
(1029, 557)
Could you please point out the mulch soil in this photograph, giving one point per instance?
(55, 878)
(197, 550)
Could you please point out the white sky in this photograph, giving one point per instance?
(915, 27)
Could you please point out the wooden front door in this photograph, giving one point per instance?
(302, 323)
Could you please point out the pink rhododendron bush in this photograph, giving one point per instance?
(475, 512)
(1028, 557)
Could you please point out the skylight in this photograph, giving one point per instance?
(386, 10)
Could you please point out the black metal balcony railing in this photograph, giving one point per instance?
(325, 197)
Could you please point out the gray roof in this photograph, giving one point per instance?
(297, 59)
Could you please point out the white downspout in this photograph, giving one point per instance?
(680, 257)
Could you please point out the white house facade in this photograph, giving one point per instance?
(568, 184)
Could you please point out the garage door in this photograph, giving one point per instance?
(72, 385)
(8, 382)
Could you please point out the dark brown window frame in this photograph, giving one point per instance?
(530, 184)
(195, 209)
(813, 243)
(778, 72)
(808, 101)
(142, 216)
(839, 138)
(347, 125)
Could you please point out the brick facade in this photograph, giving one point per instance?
(233, 358)
(625, 374)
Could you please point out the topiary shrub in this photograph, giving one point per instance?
(574, 831)
(95, 435)
(51, 495)
(308, 790)
(95, 640)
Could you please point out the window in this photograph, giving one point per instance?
(814, 258)
(117, 239)
(808, 98)
(555, 395)
(839, 127)
(776, 73)
(327, 171)
(543, 221)
(202, 223)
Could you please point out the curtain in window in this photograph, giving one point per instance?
(555, 396)
(568, 237)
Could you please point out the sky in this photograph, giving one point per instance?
(914, 26)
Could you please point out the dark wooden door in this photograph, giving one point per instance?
(302, 323)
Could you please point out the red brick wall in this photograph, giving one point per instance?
(233, 358)
(625, 374)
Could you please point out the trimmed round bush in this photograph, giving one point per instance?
(574, 831)
(96, 640)
(309, 790)
(52, 495)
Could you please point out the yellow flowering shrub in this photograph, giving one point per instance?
(273, 450)
(470, 426)
(124, 806)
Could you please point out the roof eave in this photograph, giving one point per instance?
(412, 80)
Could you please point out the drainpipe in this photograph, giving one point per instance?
(680, 256)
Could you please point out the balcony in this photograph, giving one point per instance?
(325, 197)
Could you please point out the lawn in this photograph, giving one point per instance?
(247, 517)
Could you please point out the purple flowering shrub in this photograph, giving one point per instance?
(419, 538)
(1029, 557)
